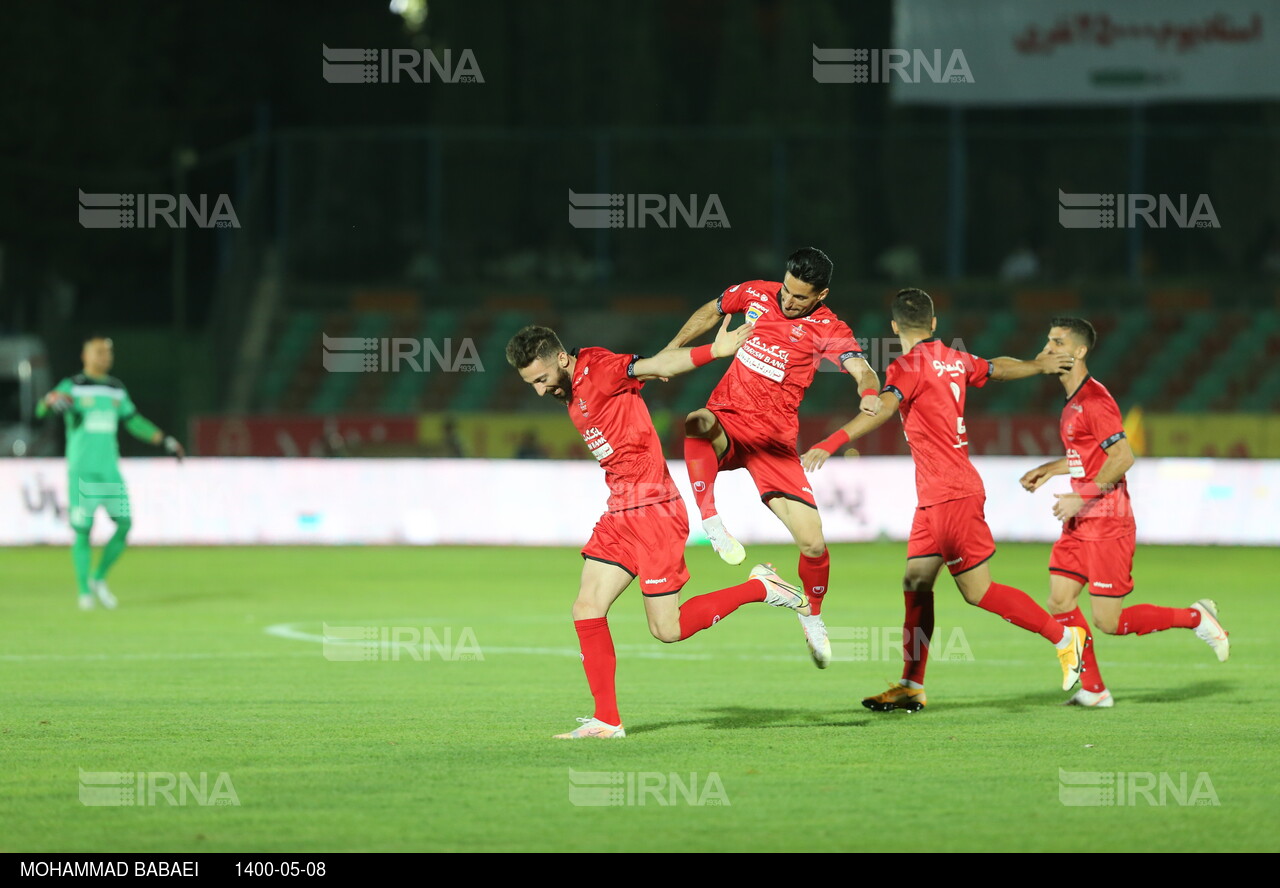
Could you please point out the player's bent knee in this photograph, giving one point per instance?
(1106, 626)
(699, 423)
(973, 594)
(587, 608)
(666, 634)
(813, 548)
(917, 583)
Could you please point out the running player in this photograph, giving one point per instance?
(644, 531)
(928, 384)
(1098, 530)
(752, 418)
(93, 404)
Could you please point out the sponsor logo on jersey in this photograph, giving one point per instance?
(955, 369)
(769, 361)
(1078, 408)
(754, 311)
(1075, 465)
(752, 291)
(100, 421)
(596, 443)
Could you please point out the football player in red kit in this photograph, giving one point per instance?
(752, 418)
(1098, 530)
(644, 532)
(928, 384)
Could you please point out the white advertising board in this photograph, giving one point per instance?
(537, 503)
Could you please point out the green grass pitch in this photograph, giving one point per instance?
(450, 751)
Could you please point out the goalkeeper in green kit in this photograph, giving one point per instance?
(93, 404)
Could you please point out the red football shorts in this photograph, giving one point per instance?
(1105, 566)
(955, 531)
(647, 542)
(771, 460)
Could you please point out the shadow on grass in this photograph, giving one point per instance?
(736, 718)
(1177, 694)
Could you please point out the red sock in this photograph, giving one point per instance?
(701, 463)
(1021, 610)
(704, 611)
(601, 664)
(814, 573)
(1141, 619)
(917, 634)
(1091, 677)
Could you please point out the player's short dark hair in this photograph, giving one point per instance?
(1079, 328)
(811, 265)
(912, 308)
(532, 343)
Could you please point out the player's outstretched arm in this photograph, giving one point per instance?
(699, 324)
(868, 383)
(57, 401)
(1035, 479)
(145, 430)
(860, 425)
(674, 361)
(1049, 365)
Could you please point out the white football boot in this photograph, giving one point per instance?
(779, 593)
(1100, 700)
(815, 633)
(1210, 631)
(593, 728)
(722, 541)
(100, 589)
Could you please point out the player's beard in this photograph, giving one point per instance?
(565, 383)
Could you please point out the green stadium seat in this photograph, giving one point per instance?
(1147, 387)
(335, 388)
(299, 335)
(477, 388)
(1233, 363)
(405, 392)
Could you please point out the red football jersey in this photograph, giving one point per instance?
(931, 381)
(1091, 423)
(606, 408)
(769, 375)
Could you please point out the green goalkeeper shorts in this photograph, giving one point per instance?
(87, 491)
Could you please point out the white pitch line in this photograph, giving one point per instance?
(242, 655)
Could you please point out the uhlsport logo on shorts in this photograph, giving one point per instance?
(152, 788)
(1125, 211)
(358, 354)
(119, 210)
(599, 789)
(399, 65)
(885, 65)
(1121, 789)
(646, 210)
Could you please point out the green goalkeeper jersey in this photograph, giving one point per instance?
(99, 404)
